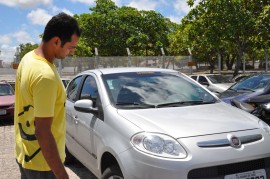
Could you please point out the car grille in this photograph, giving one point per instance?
(218, 172)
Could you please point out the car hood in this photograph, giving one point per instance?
(191, 120)
(7, 100)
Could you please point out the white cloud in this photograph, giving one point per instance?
(24, 3)
(88, 2)
(181, 7)
(176, 19)
(144, 4)
(118, 3)
(23, 37)
(56, 10)
(39, 17)
(5, 39)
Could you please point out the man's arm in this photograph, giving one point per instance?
(48, 146)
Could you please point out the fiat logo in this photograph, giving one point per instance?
(234, 141)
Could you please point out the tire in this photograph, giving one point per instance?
(69, 160)
(112, 172)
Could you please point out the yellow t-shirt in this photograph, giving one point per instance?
(39, 93)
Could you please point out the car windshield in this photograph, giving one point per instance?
(253, 83)
(6, 90)
(219, 79)
(154, 89)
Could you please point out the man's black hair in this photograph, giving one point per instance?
(62, 26)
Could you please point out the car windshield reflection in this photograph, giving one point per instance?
(154, 89)
(253, 83)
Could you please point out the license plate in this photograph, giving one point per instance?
(255, 174)
(3, 112)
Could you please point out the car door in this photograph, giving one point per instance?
(72, 95)
(84, 130)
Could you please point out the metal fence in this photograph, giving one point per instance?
(71, 66)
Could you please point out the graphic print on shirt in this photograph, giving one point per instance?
(26, 136)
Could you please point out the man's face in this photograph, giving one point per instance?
(68, 48)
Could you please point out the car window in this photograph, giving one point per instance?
(219, 79)
(202, 79)
(194, 77)
(73, 87)
(89, 89)
(6, 90)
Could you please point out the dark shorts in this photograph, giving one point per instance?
(33, 174)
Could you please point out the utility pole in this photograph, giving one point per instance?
(190, 60)
(96, 57)
(163, 57)
(129, 55)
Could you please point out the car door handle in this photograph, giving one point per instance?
(75, 118)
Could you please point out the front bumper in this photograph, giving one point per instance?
(211, 163)
(7, 113)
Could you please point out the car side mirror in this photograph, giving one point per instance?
(86, 106)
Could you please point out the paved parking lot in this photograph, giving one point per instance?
(8, 166)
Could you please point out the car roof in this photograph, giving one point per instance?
(4, 82)
(127, 69)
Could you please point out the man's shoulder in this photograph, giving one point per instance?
(28, 55)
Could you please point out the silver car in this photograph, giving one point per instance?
(146, 123)
(214, 82)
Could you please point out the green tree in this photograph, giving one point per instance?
(112, 29)
(25, 48)
(215, 24)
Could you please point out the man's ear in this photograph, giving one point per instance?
(56, 41)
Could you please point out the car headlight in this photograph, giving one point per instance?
(265, 127)
(158, 144)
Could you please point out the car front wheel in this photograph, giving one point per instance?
(112, 172)
(69, 157)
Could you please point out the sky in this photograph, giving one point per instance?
(22, 21)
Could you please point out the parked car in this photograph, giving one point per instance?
(7, 100)
(158, 123)
(65, 81)
(249, 87)
(12, 83)
(259, 106)
(214, 82)
(239, 77)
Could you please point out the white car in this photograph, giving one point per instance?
(214, 82)
(146, 123)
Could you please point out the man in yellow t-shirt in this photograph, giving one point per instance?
(40, 102)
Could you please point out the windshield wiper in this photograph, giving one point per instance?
(230, 89)
(246, 89)
(181, 103)
(136, 104)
